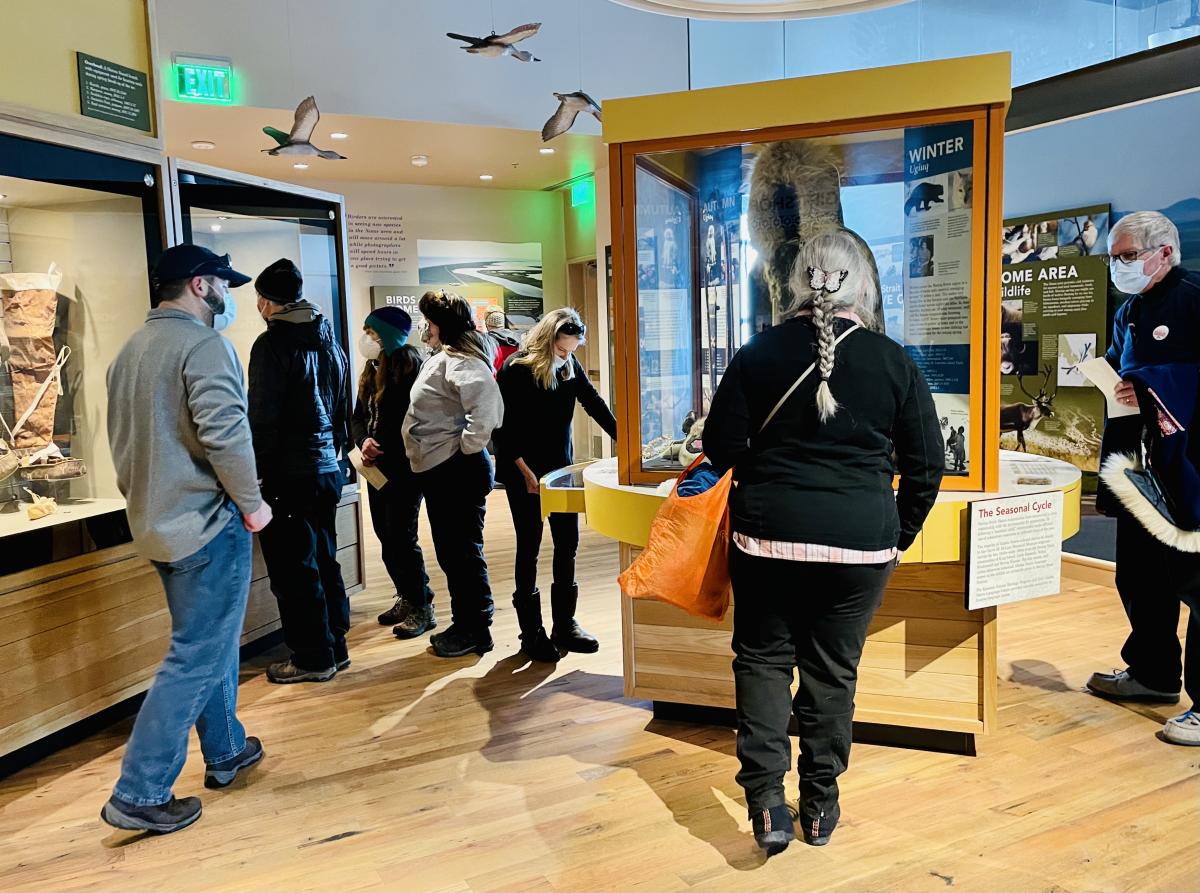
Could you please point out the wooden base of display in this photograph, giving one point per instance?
(928, 664)
(81, 635)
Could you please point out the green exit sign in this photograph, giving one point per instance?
(583, 192)
(204, 83)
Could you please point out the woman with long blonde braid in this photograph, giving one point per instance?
(817, 529)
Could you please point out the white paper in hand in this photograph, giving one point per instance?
(371, 475)
(1104, 377)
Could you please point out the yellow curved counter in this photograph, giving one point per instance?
(929, 663)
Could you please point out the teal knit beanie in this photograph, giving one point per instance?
(392, 325)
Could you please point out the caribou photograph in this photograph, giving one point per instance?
(1022, 417)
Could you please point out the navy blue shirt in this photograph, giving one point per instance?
(1159, 326)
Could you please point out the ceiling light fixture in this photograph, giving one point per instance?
(203, 145)
(419, 160)
(338, 135)
(485, 177)
(300, 166)
(216, 227)
(546, 150)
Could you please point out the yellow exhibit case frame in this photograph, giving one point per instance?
(911, 158)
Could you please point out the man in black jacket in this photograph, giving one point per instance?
(298, 416)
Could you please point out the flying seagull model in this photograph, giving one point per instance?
(297, 142)
(495, 45)
(569, 107)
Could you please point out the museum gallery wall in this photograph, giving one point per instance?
(388, 223)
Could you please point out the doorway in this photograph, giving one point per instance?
(583, 297)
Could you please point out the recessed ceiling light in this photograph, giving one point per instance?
(222, 218)
(2, 196)
(485, 177)
(338, 135)
(203, 145)
(419, 160)
(216, 227)
(300, 166)
(546, 150)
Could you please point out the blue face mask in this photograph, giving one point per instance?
(223, 318)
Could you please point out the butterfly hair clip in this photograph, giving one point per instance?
(822, 280)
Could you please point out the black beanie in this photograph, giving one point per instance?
(280, 283)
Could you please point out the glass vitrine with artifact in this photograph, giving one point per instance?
(705, 238)
(78, 233)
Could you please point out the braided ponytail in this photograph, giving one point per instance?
(823, 315)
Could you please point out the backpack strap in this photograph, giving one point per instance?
(799, 381)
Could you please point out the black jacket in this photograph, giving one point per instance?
(1172, 308)
(805, 481)
(298, 404)
(537, 421)
(385, 421)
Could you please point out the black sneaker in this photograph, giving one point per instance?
(222, 774)
(773, 828)
(456, 641)
(396, 613)
(818, 828)
(174, 815)
(285, 672)
(343, 664)
(416, 623)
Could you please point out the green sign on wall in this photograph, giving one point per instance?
(212, 82)
(113, 93)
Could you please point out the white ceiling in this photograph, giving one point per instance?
(380, 149)
(756, 10)
(392, 59)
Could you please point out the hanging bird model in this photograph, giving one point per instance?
(495, 45)
(297, 142)
(569, 107)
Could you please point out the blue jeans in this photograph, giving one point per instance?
(197, 683)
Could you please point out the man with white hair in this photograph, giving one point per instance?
(1158, 325)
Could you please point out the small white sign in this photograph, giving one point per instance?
(1015, 550)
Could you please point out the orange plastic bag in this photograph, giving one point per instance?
(686, 559)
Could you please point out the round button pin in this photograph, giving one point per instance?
(1161, 332)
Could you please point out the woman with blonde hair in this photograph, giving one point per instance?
(816, 416)
(454, 408)
(540, 386)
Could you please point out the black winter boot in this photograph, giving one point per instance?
(567, 634)
(534, 642)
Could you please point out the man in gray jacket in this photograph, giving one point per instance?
(181, 445)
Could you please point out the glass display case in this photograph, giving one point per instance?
(256, 223)
(79, 231)
(706, 231)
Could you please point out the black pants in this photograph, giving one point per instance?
(395, 514)
(456, 501)
(813, 617)
(526, 511)
(300, 548)
(1152, 579)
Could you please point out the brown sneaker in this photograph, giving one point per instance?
(396, 613)
(417, 622)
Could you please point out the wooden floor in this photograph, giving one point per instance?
(408, 772)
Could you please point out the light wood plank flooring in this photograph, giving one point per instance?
(412, 773)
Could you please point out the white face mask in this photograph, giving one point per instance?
(1132, 278)
(369, 347)
(224, 319)
(559, 362)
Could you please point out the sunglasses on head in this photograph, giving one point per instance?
(572, 329)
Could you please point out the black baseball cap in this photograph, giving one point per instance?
(186, 261)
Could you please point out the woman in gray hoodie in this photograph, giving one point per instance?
(455, 407)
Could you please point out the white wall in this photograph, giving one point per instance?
(443, 212)
(391, 58)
